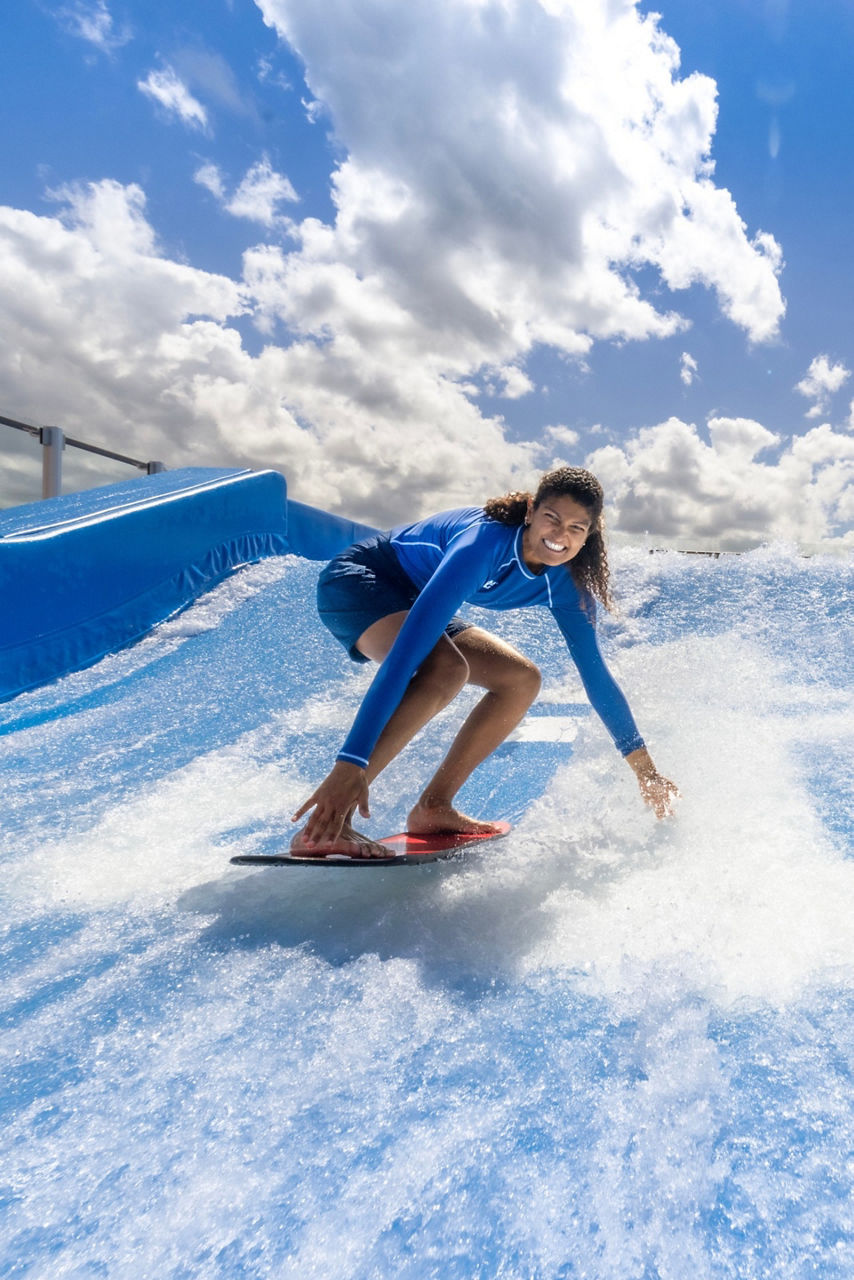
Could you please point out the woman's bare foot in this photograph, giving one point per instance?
(350, 844)
(433, 816)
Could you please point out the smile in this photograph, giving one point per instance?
(553, 546)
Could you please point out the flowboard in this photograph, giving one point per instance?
(406, 848)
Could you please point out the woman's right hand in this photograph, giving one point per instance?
(657, 791)
(344, 789)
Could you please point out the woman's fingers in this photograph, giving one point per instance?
(659, 793)
(304, 808)
(363, 802)
(319, 819)
(334, 803)
(324, 825)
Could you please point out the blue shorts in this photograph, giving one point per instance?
(362, 585)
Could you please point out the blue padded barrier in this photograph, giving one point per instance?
(87, 573)
(317, 535)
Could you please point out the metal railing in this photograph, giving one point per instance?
(53, 440)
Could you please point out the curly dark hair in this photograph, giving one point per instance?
(589, 568)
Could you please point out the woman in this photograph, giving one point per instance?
(391, 599)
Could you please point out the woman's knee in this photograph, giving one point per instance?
(498, 667)
(520, 680)
(444, 669)
(527, 680)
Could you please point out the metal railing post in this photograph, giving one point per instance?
(52, 442)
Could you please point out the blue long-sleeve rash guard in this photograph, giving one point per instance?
(459, 556)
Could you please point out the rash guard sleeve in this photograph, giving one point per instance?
(606, 696)
(458, 575)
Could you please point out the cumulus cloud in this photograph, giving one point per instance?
(210, 176)
(687, 368)
(508, 381)
(258, 195)
(100, 317)
(94, 22)
(670, 483)
(170, 92)
(507, 175)
(508, 170)
(560, 435)
(820, 382)
(122, 346)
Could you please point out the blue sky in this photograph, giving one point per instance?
(410, 254)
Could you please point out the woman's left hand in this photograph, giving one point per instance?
(657, 791)
(342, 791)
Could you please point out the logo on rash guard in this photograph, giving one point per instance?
(489, 584)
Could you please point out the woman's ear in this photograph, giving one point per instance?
(529, 512)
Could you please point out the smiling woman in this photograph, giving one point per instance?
(566, 511)
(392, 599)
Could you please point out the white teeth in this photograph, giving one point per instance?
(553, 546)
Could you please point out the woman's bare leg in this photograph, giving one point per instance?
(475, 657)
(438, 680)
(512, 683)
(436, 683)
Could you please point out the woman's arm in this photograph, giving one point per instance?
(609, 702)
(345, 788)
(459, 573)
(606, 697)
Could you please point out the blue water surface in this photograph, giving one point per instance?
(603, 1047)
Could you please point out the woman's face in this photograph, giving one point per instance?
(557, 531)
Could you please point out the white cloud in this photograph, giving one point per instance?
(110, 217)
(267, 73)
(98, 311)
(561, 435)
(506, 170)
(209, 175)
(173, 95)
(313, 109)
(257, 197)
(508, 381)
(124, 347)
(504, 178)
(93, 22)
(669, 483)
(774, 138)
(260, 193)
(820, 382)
(687, 368)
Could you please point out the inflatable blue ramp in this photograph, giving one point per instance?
(601, 1046)
(89, 572)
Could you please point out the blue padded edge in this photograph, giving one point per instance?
(88, 573)
(317, 535)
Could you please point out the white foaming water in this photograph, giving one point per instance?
(604, 1046)
(744, 893)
